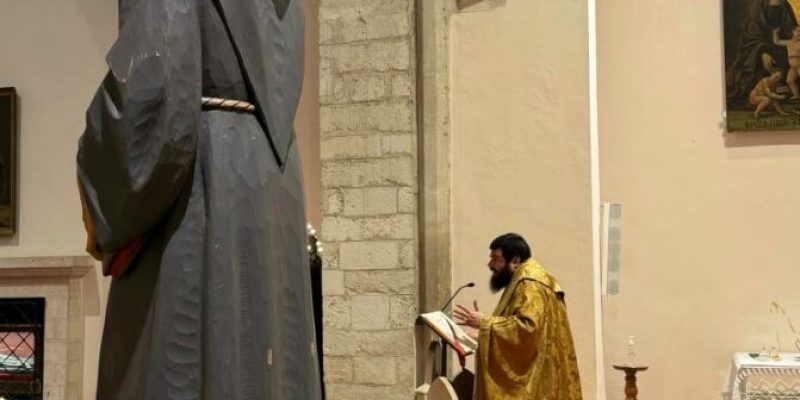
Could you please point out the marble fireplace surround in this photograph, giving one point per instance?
(60, 281)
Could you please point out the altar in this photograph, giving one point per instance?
(764, 379)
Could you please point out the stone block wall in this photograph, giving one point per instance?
(369, 180)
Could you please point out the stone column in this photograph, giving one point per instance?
(369, 180)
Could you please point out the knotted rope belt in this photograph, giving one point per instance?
(216, 103)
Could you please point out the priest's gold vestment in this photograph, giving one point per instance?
(525, 347)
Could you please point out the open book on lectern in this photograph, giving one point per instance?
(449, 331)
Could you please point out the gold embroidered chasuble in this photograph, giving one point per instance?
(525, 347)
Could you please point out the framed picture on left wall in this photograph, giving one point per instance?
(8, 160)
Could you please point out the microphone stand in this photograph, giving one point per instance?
(443, 343)
(471, 284)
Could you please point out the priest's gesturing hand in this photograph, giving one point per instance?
(471, 318)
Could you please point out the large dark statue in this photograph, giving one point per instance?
(193, 201)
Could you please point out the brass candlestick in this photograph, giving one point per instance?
(630, 379)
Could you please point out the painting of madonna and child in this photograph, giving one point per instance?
(762, 64)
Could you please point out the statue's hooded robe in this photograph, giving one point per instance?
(196, 213)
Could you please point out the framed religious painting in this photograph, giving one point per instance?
(762, 65)
(8, 161)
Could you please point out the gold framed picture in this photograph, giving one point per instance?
(762, 65)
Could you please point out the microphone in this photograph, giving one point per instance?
(471, 284)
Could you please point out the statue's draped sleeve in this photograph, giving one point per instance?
(136, 155)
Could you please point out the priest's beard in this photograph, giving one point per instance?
(501, 279)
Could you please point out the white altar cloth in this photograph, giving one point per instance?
(752, 379)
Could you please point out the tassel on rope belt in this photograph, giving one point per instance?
(216, 103)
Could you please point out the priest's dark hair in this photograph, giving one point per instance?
(511, 245)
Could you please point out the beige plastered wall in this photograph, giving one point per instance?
(520, 149)
(53, 53)
(710, 222)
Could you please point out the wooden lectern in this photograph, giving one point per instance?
(435, 368)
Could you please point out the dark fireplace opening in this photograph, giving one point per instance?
(21, 348)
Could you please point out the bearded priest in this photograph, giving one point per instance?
(525, 346)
